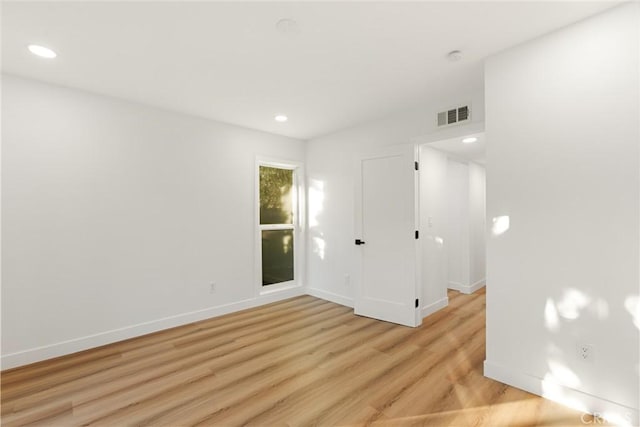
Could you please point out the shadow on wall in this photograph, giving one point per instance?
(632, 304)
(316, 207)
(561, 311)
(567, 308)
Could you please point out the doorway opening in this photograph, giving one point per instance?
(453, 216)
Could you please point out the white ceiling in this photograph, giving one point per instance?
(347, 62)
(474, 152)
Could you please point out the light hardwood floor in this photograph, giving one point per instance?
(302, 361)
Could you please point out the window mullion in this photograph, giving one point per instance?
(277, 227)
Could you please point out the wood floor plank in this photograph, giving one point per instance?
(253, 359)
(284, 378)
(258, 315)
(165, 358)
(62, 369)
(303, 361)
(153, 384)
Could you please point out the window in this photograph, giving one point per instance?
(277, 224)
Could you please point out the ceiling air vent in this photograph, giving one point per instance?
(454, 116)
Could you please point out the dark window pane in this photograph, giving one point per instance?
(277, 256)
(276, 193)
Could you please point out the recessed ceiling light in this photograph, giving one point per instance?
(41, 51)
(281, 118)
(470, 140)
(454, 56)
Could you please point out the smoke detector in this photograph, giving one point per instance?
(287, 26)
(454, 56)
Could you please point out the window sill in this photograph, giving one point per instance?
(270, 289)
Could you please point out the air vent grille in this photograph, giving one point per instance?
(463, 113)
(454, 116)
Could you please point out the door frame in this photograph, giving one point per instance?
(379, 152)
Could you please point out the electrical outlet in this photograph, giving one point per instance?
(585, 352)
(212, 287)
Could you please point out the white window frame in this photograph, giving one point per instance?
(298, 204)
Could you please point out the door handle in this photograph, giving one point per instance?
(359, 242)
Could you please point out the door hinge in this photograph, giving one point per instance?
(417, 303)
(417, 234)
(417, 166)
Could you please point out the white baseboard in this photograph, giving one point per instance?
(467, 289)
(84, 343)
(474, 286)
(455, 286)
(348, 302)
(435, 306)
(613, 412)
(330, 296)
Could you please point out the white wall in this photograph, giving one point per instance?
(433, 223)
(116, 218)
(457, 235)
(477, 225)
(330, 168)
(563, 163)
(465, 225)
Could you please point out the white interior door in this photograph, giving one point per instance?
(387, 274)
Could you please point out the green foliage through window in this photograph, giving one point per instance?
(276, 191)
(277, 256)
